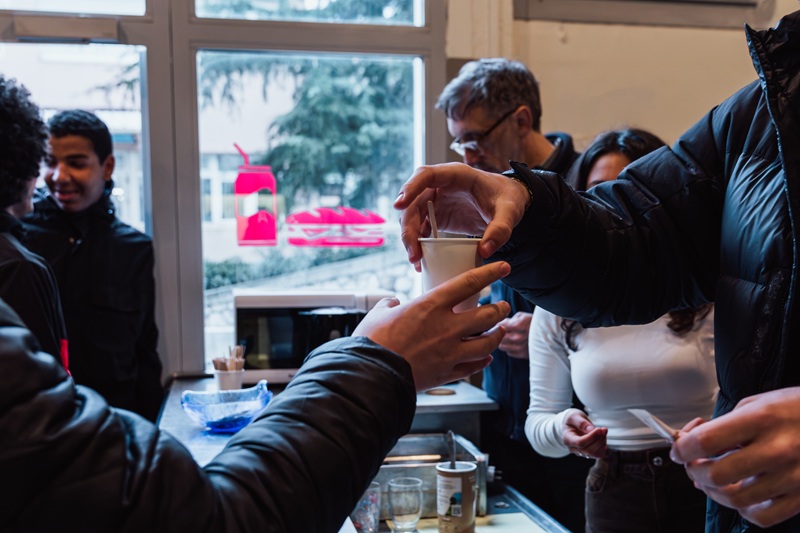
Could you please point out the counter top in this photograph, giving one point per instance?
(202, 444)
(465, 398)
(454, 397)
(508, 510)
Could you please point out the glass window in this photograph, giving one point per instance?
(103, 79)
(229, 161)
(323, 144)
(394, 12)
(228, 208)
(98, 7)
(363, 136)
(206, 198)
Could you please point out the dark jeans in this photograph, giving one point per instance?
(642, 491)
(555, 485)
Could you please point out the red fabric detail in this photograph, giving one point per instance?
(64, 349)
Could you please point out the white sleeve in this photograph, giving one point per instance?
(551, 385)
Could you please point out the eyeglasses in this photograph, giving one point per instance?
(474, 140)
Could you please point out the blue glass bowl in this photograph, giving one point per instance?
(226, 411)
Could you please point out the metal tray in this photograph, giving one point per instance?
(417, 455)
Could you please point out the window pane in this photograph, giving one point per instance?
(206, 198)
(86, 7)
(228, 209)
(393, 12)
(103, 79)
(323, 144)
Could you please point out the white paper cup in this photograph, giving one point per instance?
(446, 258)
(229, 379)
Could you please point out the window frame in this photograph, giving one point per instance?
(688, 13)
(172, 35)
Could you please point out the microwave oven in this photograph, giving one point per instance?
(278, 328)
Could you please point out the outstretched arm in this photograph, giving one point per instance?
(300, 466)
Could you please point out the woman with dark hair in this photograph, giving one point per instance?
(633, 485)
(609, 153)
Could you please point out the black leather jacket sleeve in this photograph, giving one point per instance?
(71, 463)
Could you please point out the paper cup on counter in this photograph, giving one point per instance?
(446, 258)
(229, 379)
(456, 496)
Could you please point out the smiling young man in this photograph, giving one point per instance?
(78, 173)
(104, 267)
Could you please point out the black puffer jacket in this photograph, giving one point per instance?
(70, 463)
(715, 218)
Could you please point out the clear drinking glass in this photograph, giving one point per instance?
(405, 502)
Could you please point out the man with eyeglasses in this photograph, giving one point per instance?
(494, 112)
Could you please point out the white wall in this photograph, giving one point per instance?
(599, 76)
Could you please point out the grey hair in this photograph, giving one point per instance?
(498, 84)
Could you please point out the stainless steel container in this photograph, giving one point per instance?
(417, 455)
